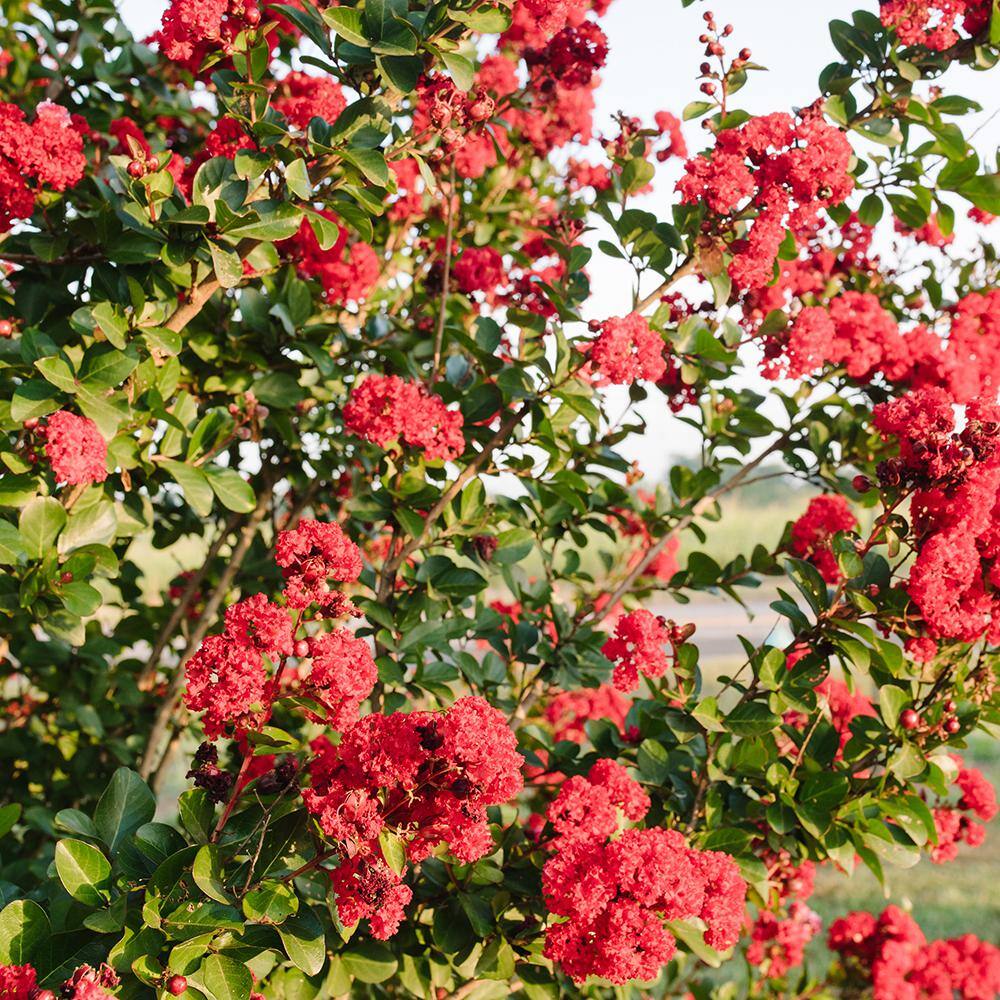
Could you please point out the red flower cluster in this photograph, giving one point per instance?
(190, 30)
(537, 21)
(855, 331)
(479, 269)
(302, 97)
(626, 349)
(384, 408)
(20, 982)
(311, 555)
(342, 675)
(47, 153)
(570, 711)
(75, 449)
(637, 647)
(956, 509)
(892, 957)
(428, 778)
(227, 678)
(616, 893)
(813, 533)
(670, 126)
(227, 138)
(778, 944)
(455, 117)
(347, 273)
(572, 56)
(954, 825)
(934, 23)
(784, 170)
(967, 363)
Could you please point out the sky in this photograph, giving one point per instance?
(652, 66)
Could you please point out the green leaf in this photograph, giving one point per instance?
(370, 162)
(33, 399)
(39, 525)
(23, 927)
(892, 700)
(346, 22)
(84, 872)
(304, 941)
(233, 491)
(207, 873)
(369, 961)
(752, 718)
(461, 69)
(984, 192)
(196, 813)
(223, 978)
(227, 264)
(12, 549)
(195, 484)
(270, 903)
(297, 179)
(9, 815)
(393, 851)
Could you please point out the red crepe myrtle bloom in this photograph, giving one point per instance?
(813, 532)
(637, 647)
(310, 556)
(383, 408)
(615, 894)
(75, 449)
(626, 349)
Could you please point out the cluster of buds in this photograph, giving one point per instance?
(249, 416)
(940, 458)
(947, 725)
(453, 114)
(622, 147)
(713, 79)
(677, 635)
(207, 774)
(571, 57)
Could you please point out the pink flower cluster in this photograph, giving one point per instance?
(778, 943)
(782, 170)
(426, 777)
(20, 982)
(813, 533)
(626, 349)
(191, 30)
(75, 448)
(935, 24)
(479, 269)
(227, 678)
(615, 894)
(637, 648)
(302, 97)
(47, 153)
(347, 273)
(570, 711)
(955, 824)
(891, 956)
(955, 509)
(385, 408)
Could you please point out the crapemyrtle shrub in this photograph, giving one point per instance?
(345, 652)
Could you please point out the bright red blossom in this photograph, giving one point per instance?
(626, 349)
(383, 408)
(637, 647)
(311, 555)
(813, 532)
(75, 449)
(302, 97)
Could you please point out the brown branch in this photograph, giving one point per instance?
(200, 294)
(688, 267)
(164, 720)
